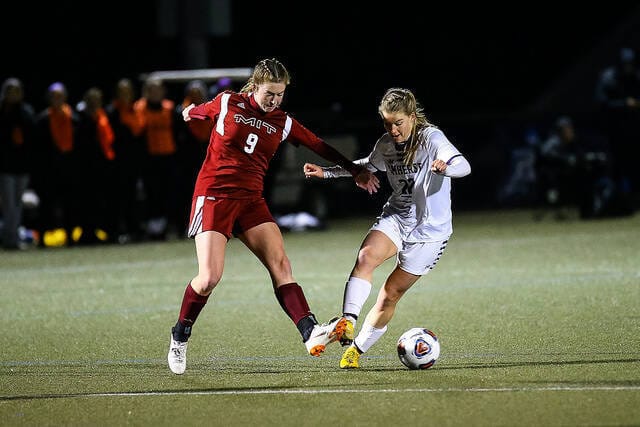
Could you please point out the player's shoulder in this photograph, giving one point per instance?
(231, 96)
(432, 134)
(235, 101)
(385, 139)
(384, 143)
(430, 131)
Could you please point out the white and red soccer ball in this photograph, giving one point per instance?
(418, 348)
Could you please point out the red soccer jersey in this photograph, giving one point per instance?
(243, 141)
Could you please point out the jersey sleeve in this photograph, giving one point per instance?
(458, 166)
(442, 148)
(339, 171)
(208, 110)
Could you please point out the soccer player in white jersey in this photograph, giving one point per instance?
(415, 223)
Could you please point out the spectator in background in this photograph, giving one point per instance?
(94, 172)
(127, 125)
(161, 124)
(520, 186)
(17, 125)
(54, 179)
(618, 93)
(193, 140)
(559, 167)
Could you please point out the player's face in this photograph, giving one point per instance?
(398, 125)
(269, 95)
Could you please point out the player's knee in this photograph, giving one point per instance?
(367, 259)
(205, 283)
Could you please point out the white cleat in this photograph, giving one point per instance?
(177, 356)
(325, 334)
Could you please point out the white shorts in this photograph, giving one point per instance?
(416, 258)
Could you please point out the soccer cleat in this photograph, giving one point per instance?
(350, 358)
(348, 336)
(177, 356)
(324, 334)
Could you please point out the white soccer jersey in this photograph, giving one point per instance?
(421, 199)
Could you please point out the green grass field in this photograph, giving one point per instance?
(539, 324)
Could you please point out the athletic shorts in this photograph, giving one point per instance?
(416, 258)
(227, 216)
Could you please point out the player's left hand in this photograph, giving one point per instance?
(438, 166)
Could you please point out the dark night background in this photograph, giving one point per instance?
(459, 59)
(480, 70)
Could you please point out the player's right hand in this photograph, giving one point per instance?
(185, 112)
(312, 170)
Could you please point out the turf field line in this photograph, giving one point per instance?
(237, 392)
(454, 361)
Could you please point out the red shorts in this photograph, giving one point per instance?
(227, 216)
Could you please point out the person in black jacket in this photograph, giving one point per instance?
(618, 95)
(17, 121)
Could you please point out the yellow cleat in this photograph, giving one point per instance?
(350, 358)
(348, 335)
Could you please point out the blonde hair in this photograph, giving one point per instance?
(399, 100)
(267, 71)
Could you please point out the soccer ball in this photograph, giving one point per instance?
(418, 348)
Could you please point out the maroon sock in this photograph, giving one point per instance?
(292, 301)
(192, 304)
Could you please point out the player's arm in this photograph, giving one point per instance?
(365, 179)
(455, 167)
(449, 162)
(311, 170)
(205, 111)
(193, 111)
(329, 153)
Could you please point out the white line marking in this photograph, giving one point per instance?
(384, 390)
(328, 391)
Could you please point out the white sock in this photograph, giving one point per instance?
(356, 292)
(368, 336)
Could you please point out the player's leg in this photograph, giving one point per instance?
(380, 244)
(375, 324)
(414, 261)
(210, 249)
(210, 252)
(396, 285)
(266, 242)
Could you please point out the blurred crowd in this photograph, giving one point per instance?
(119, 166)
(583, 165)
(101, 170)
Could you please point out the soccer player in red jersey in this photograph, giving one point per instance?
(228, 201)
